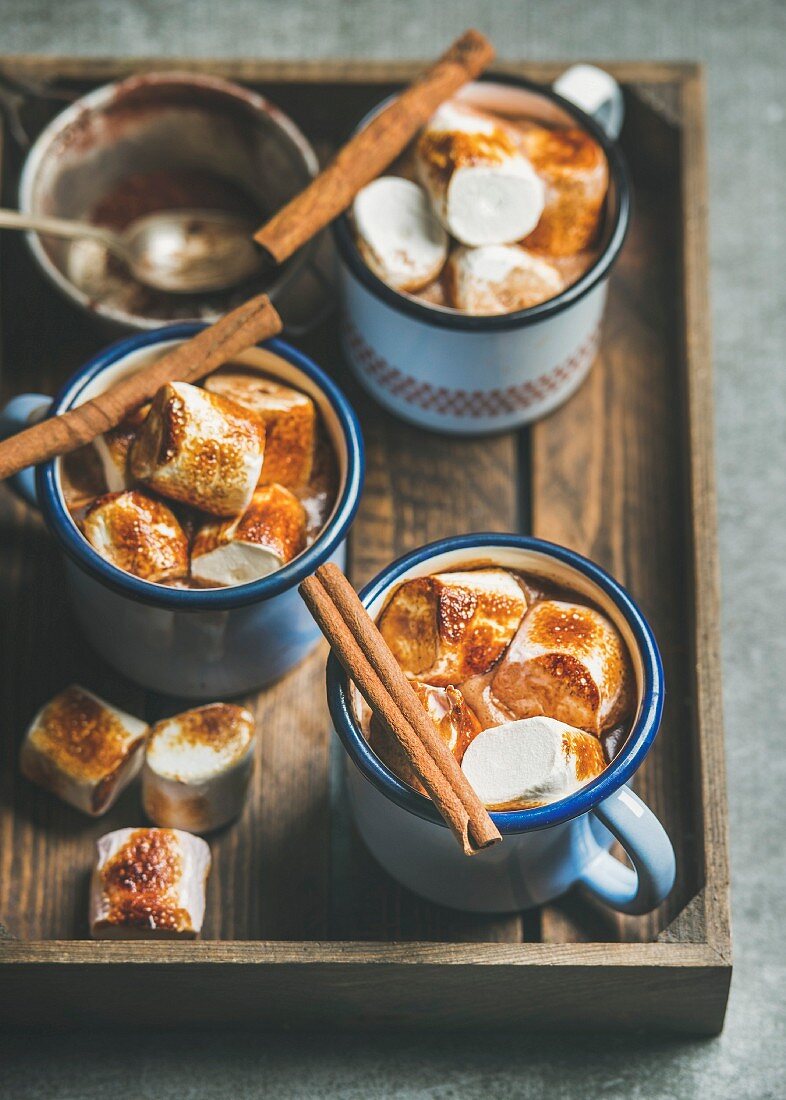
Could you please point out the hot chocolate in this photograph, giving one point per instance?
(208, 486)
(485, 214)
(529, 684)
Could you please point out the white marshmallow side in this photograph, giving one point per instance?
(499, 279)
(234, 563)
(186, 891)
(493, 204)
(399, 236)
(533, 761)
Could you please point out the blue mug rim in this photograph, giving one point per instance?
(209, 599)
(618, 772)
(464, 322)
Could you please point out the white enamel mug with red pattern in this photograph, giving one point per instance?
(467, 375)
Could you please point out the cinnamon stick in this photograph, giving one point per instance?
(251, 322)
(369, 663)
(377, 145)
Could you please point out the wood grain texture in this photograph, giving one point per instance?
(623, 472)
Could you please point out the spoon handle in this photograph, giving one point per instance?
(59, 227)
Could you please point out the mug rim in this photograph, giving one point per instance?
(467, 322)
(82, 553)
(617, 773)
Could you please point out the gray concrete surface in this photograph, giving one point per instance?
(743, 46)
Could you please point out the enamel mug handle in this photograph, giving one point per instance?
(21, 412)
(597, 93)
(643, 837)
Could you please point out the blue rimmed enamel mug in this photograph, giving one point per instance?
(545, 850)
(196, 643)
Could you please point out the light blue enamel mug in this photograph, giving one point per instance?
(545, 850)
(195, 643)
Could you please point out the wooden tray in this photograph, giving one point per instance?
(302, 927)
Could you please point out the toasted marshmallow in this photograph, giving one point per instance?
(139, 534)
(200, 448)
(149, 884)
(499, 278)
(290, 419)
(83, 750)
(398, 234)
(268, 535)
(480, 698)
(450, 626)
(531, 762)
(574, 170)
(455, 722)
(198, 766)
(567, 662)
(113, 448)
(483, 190)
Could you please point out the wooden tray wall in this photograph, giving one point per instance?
(622, 473)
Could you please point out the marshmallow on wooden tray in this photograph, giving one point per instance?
(575, 172)
(455, 722)
(499, 278)
(138, 534)
(267, 536)
(567, 662)
(113, 448)
(450, 626)
(149, 884)
(484, 191)
(531, 762)
(197, 767)
(398, 234)
(83, 750)
(200, 448)
(290, 419)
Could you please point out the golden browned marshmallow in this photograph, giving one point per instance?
(574, 170)
(113, 448)
(268, 535)
(83, 750)
(149, 884)
(531, 762)
(483, 190)
(499, 278)
(290, 419)
(198, 766)
(567, 662)
(450, 626)
(454, 720)
(139, 534)
(200, 448)
(398, 234)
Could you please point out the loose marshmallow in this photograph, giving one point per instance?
(139, 534)
(290, 419)
(200, 448)
(483, 190)
(450, 626)
(198, 766)
(113, 448)
(575, 173)
(455, 722)
(531, 762)
(398, 234)
(499, 278)
(83, 750)
(567, 662)
(268, 535)
(149, 884)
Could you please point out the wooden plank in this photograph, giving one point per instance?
(608, 480)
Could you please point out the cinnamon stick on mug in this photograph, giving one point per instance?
(369, 663)
(369, 153)
(251, 322)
